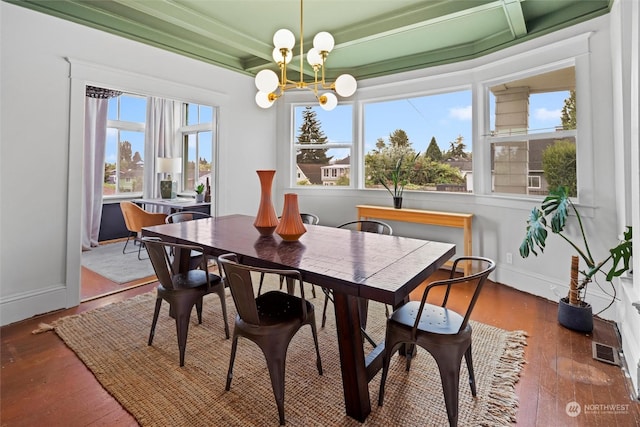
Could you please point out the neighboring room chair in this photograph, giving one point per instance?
(307, 218)
(134, 219)
(444, 333)
(369, 226)
(270, 320)
(182, 290)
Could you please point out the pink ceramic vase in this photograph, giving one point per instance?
(291, 226)
(266, 219)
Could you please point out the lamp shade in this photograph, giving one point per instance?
(328, 101)
(323, 42)
(169, 165)
(313, 57)
(277, 56)
(284, 39)
(346, 85)
(262, 99)
(267, 81)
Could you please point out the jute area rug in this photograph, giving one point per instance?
(148, 382)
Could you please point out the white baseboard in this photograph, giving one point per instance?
(28, 304)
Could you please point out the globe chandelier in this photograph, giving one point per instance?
(271, 86)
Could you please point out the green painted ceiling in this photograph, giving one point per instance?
(373, 37)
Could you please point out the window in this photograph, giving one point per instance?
(533, 133)
(124, 155)
(435, 130)
(197, 137)
(322, 145)
(534, 182)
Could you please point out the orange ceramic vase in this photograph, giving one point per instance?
(266, 219)
(291, 226)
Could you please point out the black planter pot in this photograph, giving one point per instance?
(576, 318)
(397, 202)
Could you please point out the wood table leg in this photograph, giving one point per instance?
(352, 360)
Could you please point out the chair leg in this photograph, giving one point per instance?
(275, 363)
(155, 320)
(449, 366)
(261, 281)
(131, 233)
(223, 305)
(472, 377)
(389, 349)
(182, 330)
(314, 332)
(234, 347)
(326, 302)
(139, 250)
(199, 310)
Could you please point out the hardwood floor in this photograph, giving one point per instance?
(44, 383)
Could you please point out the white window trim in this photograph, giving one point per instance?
(478, 74)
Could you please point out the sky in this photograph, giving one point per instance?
(444, 116)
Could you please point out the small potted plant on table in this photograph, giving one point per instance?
(573, 311)
(200, 193)
(397, 179)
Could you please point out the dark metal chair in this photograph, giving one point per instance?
(369, 226)
(182, 290)
(270, 320)
(307, 218)
(183, 216)
(444, 333)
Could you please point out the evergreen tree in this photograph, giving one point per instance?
(433, 151)
(568, 116)
(311, 133)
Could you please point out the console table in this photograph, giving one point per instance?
(443, 219)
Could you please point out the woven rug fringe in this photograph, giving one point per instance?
(501, 398)
(42, 327)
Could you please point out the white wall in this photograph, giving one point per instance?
(41, 133)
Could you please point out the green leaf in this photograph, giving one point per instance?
(556, 204)
(623, 253)
(536, 234)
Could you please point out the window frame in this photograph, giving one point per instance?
(478, 74)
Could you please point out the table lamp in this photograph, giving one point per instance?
(168, 166)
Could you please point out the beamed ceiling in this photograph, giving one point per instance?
(373, 37)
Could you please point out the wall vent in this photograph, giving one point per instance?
(605, 353)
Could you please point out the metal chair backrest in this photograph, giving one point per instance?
(369, 226)
(162, 263)
(185, 216)
(308, 218)
(482, 267)
(238, 279)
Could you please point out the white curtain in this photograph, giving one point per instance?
(95, 138)
(160, 140)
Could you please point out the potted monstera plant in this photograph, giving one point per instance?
(552, 216)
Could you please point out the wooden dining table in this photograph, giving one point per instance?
(353, 264)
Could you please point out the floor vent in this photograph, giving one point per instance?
(605, 353)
